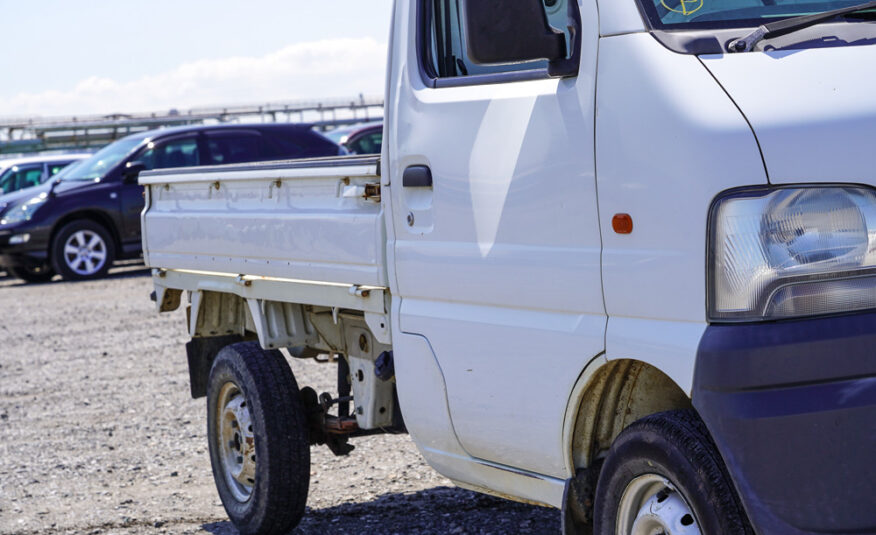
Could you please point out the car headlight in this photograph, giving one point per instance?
(792, 252)
(24, 211)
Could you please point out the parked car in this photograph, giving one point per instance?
(78, 223)
(21, 173)
(359, 139)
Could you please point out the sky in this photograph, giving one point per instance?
(65, 58)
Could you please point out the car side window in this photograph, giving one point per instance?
(55, 167)
(20, 177)
(234, 147)
(446, 51)
(180, 152)
(300, 144)
(367, 144)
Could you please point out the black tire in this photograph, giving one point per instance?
(67, 265)
(278, 491)
(677, 447)
(33, 274)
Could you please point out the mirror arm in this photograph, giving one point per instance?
(568, 68)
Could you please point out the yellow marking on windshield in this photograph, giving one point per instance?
(688, 7)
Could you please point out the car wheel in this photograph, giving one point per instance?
(82, 250)
(259, 447)
(42, 273)
(664, 474)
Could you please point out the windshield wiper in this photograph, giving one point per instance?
(786, 26)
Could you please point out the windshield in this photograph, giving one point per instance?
(102, 161)
(694, 14)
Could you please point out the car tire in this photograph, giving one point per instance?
(258, 439)
(42, 273)
(83, 250)
(664, 473)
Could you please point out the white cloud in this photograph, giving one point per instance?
(313, 70)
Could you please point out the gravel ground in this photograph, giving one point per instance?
(100, 435)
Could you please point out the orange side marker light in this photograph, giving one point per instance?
(622, 223)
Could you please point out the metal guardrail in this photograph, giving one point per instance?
(34, 134)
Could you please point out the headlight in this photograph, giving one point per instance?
(792, 252)
(24, 211)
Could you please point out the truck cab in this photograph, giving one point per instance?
(615, 258)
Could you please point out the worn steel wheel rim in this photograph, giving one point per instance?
(85, 252)
(651, 505)
(236, 441)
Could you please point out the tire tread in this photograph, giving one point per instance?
(685, 432)
(273, 392)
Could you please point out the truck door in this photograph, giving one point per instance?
(497, 244)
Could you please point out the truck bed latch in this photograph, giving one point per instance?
(370, 192)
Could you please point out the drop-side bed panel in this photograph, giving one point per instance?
(304, 219)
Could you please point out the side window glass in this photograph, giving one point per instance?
(300, 144)
(20, 177)
(447, 46)
(31, 177)
(286, 145)
(241, 147)
(55, 167)
(367, 144)
(181, 152)
(147, 157)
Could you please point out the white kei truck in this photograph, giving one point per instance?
(618, 257)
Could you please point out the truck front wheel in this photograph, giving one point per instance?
(663, 474)
(259, 448)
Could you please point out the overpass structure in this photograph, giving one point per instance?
(23, 135)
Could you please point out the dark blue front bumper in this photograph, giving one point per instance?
(792, 408)
(31, 254)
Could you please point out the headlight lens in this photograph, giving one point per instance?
(23, 212)
(792, 252)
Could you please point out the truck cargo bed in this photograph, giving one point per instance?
(314, 220)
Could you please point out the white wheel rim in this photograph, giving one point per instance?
(236, 442)
(651, 505)
(85, 252)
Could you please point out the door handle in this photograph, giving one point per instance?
(417, 176)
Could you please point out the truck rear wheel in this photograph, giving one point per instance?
(259, 448)
(664, 474)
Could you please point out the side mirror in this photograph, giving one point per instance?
(132, 172)
(511, 31)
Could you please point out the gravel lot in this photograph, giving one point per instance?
(100, 435)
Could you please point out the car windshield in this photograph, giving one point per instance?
(102, 161)
(697, 14)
